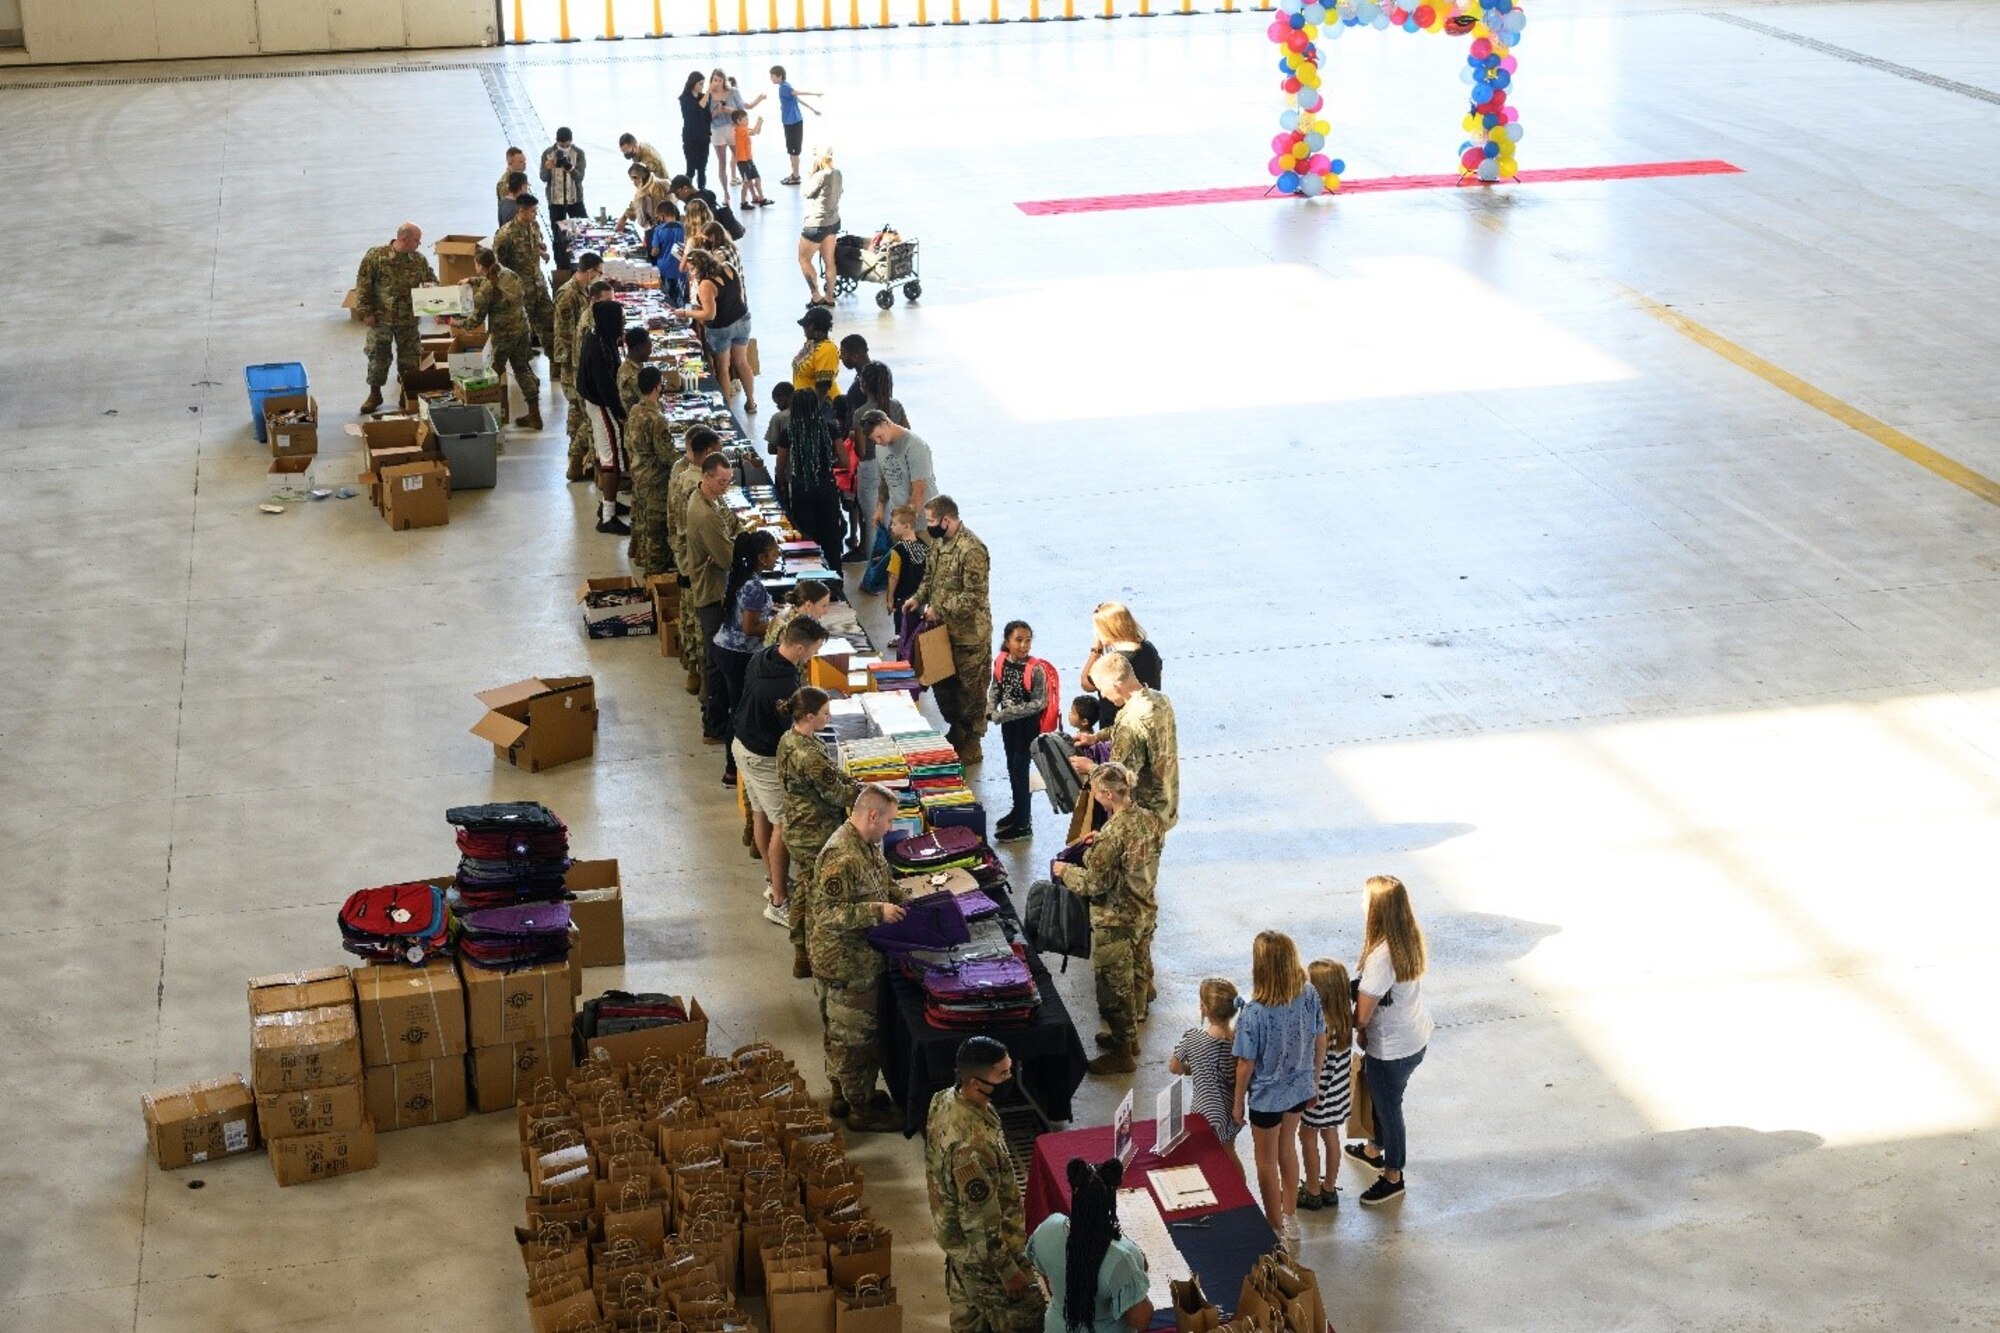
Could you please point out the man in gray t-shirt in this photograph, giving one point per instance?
(905, 463)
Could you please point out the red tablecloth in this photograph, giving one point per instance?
(1048, 1178)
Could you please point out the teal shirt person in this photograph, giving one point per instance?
(1121, 1278)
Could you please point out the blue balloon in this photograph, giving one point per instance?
(1338, 167)
(1288, 181)
(1492, 149)
(1297, 21)
(1288, 120)
(1315, 141)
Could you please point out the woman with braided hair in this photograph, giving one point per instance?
(1096, 1278)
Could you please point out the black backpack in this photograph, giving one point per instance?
(1057, 921)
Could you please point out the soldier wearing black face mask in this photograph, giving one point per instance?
(954, 593)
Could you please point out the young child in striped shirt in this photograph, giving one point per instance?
(1205, 1057)
(1320, 1130)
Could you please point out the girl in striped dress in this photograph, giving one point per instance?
(1320, 1130)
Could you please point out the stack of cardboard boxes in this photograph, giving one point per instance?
(412, 1043)
(305, 1067)
(403, 469)
(519, 1026)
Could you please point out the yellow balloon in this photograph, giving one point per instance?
(1508, 171)
(1309, 77)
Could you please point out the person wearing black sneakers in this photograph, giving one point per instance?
(597, 385)
(1022, 700)
(1393, 1025)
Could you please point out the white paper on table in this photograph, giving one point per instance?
(1140, 1221)
(1181, 1188)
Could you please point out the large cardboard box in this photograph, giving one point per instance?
(502, 1075)
(301, 1158)
(409, 1013)
(454, 257)
(304, 1048)
(314, 988)
(200, 1122)
(540, 722)
(418, 1092)
(598, 913)
(623, 1048)
(291, 423)
(416, 495)
(309, 1111)
(506, 1007)
(388, 430)
(616, 607)
(448, 300)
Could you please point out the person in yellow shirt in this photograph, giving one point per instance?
(815, 365)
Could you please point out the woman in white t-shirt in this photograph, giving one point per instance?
(1394, 1027)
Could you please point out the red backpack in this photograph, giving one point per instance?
(1051, 716)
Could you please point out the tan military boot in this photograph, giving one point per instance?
(694, 682)
(874, 1120)
(533, 418)
(801, 965)
(374, 399)
(1122, 1061)
(837, 1107)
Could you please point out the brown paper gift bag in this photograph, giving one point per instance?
(1361, 1110)
(861, 1254)
(870, 1308)
(1193, 1311)
(933, 654)
(797, 1305)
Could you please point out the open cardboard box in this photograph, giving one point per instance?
(540, 722)
(622, 1048)
(597, 912)
(292, 438)
(455, 257)
(608, 601)
(416, 495)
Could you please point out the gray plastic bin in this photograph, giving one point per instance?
(470, 440)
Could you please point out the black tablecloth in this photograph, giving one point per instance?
(917, 1058)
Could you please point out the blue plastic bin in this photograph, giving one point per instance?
(272, 379)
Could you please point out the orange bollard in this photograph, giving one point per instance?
(742, 16)
(885, 16)
(659, 21)
(957, 20)
(520, 22)
(1069, 14)
(993, 12)
(799, 13)
(1035, 11)
(826, 15)
(774, 15)
(923, 16)
(853, 13)
(610, 23)
(1109, 11)
(563, 33)
(1145, 9)
(714, 28)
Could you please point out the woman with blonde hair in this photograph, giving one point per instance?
(1394, 1027)
(719, 304)
(1280, 1045)
(821, 225)
(1114, 629)
(696, 218)
(723, 104)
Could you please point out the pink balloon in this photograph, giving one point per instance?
(1277, 32)
(1280, 142)
(1510, 64)
(1510, 114)
(1318, 164)
(1471, 159)
(1481, 47)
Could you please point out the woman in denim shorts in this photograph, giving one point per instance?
(822, 225)
(724, 312)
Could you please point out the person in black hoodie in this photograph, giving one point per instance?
(597, 385)
(760, 723)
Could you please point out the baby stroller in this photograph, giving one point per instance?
(884, 258)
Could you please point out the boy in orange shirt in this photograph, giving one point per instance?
(753, 185)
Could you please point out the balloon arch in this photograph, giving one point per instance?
(1298, 154)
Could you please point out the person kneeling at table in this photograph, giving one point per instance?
(1117, 878)
(853, 889)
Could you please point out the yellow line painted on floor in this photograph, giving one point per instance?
(1953, 471)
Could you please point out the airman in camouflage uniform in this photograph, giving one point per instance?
(817, 795)
(976, 1210)
(497, 305)
(954, 591)
(649, 448)
(519, 245)
(681, 483)
(570, 309)
(382, 300)
(854, 889)
(1118, 878)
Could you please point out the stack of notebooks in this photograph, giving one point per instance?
(894, 677)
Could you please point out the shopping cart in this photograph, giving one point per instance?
(885, 258)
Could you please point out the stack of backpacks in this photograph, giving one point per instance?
(396, 923)
(956, 945)
(508, 905)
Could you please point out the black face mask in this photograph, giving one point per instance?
(936, 530)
